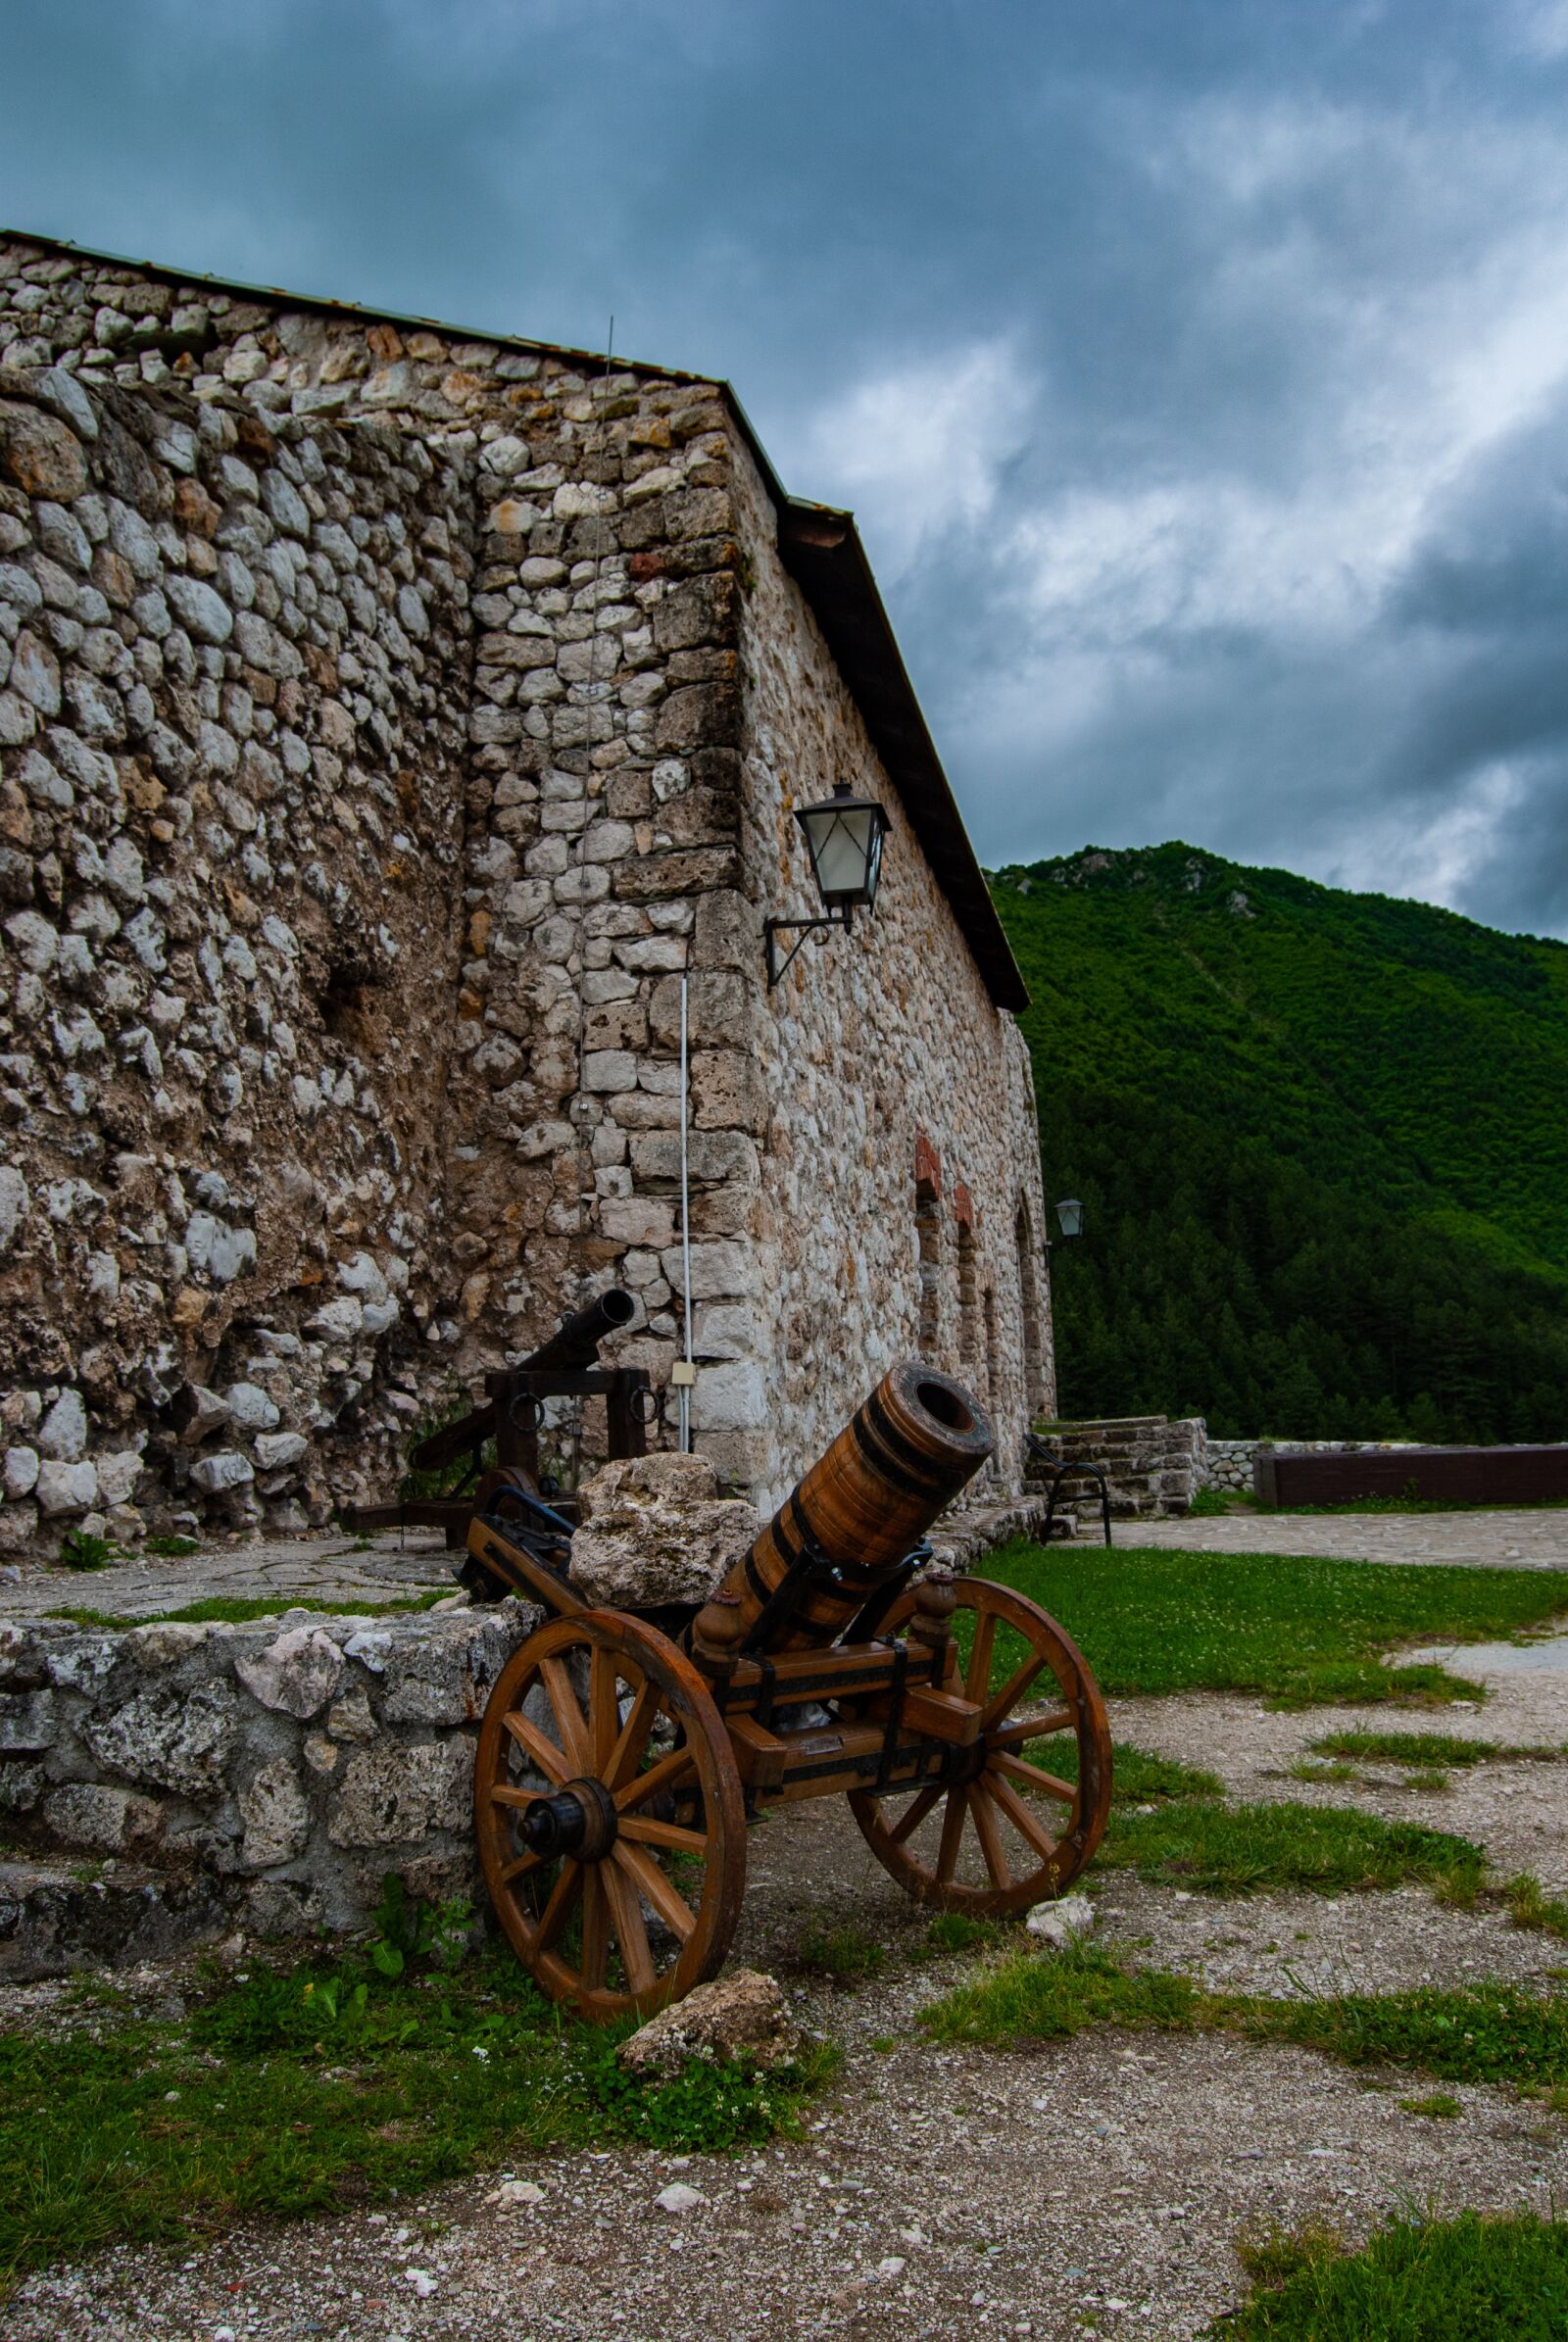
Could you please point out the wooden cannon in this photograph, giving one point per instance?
(621, 1752)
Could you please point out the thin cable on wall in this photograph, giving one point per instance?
(584, 1142)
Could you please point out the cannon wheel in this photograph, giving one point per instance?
(603, 1700)
(1011, 1834)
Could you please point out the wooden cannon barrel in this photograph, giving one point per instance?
(897, 1464)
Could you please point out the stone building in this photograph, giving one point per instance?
(390, 718)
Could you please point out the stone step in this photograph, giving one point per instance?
(57, 1915)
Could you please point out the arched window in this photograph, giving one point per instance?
(928, 1235)
(1034, 1364)
(969, 1300)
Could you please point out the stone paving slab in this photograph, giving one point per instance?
(321, 1569)
(1498, 1539)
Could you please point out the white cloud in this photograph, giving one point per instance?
(921, 448)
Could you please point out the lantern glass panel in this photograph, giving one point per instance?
(1070, 1215)
(844, 837)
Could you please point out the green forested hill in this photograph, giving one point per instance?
(1322, 1140)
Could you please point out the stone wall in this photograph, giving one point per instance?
(1153, 1465)
(1227, 1464)
(898, 1203)
(231, 736)
(446, 701)
(268, 1776)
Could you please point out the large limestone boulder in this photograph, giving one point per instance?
(654, 1529)
(739, 2020)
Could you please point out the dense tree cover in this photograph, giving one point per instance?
(1321, 1142)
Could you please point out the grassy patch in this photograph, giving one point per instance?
(234, 1610)
(956, 1931)
(1050, 1999)
(1173, 1822)
(1138, 1775)
(848, 1955)
(1258, 1850)
(1489, 2033)
(1300, 1632)
(1439, 2106)
(1426, 1749)
(294, 2092)
(1530, 1906)
(1416, 2281)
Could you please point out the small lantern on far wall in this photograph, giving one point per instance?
(843, 837)
(1070, 1216)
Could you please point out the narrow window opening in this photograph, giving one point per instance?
(1034, 1364)
(928, 1235)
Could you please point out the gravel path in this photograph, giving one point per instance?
(1481, 1541)
(938, 2192)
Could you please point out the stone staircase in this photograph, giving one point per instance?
(1153, 1465)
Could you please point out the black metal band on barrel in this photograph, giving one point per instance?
(888, 1450)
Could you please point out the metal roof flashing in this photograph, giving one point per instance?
(820, 547)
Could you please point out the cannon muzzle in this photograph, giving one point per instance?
(854, 1519)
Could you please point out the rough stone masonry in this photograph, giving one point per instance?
(389, 720)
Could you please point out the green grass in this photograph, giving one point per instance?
(1296, 1630)
(301, 2091)
(1490, 2032)
(1272, 1849)
(1417, 2280)
(848, 1955)
(1194, 1834)
(171, 1548)
(1427, 1748)
(1029, 1997)
(234, 1610)
(1439, 2106)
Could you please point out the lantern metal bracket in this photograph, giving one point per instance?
(800, 929)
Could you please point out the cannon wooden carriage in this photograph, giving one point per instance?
(622, 1752)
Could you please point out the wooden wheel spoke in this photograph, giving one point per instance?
(518, 1869)
(631, 1933)
(952, 1834)
(1034, 1728)
(569, 1715)
(595, 1926)
(603, 1708)
(539, 1745)
(914, 1814)
(559, 1905)
(501, 1792)
(1028, 1824)
(989, 1832)
(979, 1671)
(1013, 1690)
(660, 1891)
(658, 1778)
(632, 1745)
(646, 1833)
(1031, 1776)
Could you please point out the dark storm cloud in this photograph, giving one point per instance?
(1199, 372)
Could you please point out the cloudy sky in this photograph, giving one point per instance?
(1197, 369)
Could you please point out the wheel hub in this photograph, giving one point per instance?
(578, 1820)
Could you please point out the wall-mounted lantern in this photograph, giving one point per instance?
(843, 837)
(1070, 1215)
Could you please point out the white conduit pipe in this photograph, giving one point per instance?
(684, 1401)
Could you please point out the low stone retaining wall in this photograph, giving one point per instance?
(265, 1775)
(1227, 1464)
